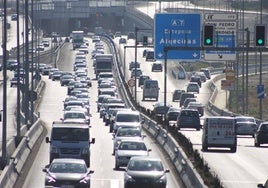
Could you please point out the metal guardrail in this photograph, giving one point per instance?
(182, 164)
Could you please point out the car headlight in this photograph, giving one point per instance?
(84, 180)
(118, 142)
(54, 149)
(85, 150)
(51, 178)
(128, 178)
(162, 179)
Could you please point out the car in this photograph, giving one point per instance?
(142, 78)
(117, 34)
(131, 35)
(184, 96)
(196, 79)
(144, 52)
(160, 109)
(261, 135)
(125, 133)
(136, 72)
(192, 87)
(129, 148)
(40, 47)
(11, 64)
(67, 172)
(187, 101)
(149, 55)
(14, 17)
(157, 67)
(145, 171)
(197, 106)
(45, 43)
(245, 125)
(56, 75)
(177, 94)
(202, 76)
(207, 72)
(132, 65)
(172, 114)
(127, 118)
(122, 41)
(188, 118)
(75, 116)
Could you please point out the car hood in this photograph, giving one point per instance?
(67, 176)
(132, 153)
(145, 174)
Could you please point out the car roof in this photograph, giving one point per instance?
(68, 160)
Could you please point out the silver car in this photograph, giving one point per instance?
(127, 149)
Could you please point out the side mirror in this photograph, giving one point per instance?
(45, 170)
(47, 140)
(92, 141)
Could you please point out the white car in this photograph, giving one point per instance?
(127, 149)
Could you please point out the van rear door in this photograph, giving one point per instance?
(221, 131)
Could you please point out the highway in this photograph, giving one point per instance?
(247, 167)
(102, 160)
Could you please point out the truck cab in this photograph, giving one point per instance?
(70, 140)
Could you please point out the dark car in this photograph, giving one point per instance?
(149, 55)
(65, 172)
(157, 67)
(207, 72)
(188, 118)
(177, 94)
(172, 114)
(192, 87)
(196, 79)
(261, 135)
(65, 79)
(122, 41)
(142, 78)
(133, 64)
(160, 108)
(131, 35)
(145, 172)
(184, 96)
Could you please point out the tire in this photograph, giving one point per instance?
(204, 148)
(233, 149)
(87, 162)
(116, 166)
(257, 144)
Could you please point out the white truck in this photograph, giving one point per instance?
(103, 63)
(77, 38)
(219, 131)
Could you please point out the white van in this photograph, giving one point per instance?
(150, 90)
(219, 131)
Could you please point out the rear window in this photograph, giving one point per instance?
(127, 118)
(189, 113)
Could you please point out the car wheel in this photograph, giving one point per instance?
(257, 144)
(116, 166)
(233, 149)
(204, 147)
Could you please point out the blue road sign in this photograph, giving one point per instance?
(260, 91)
(177, 30)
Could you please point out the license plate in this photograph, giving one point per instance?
(67, 186)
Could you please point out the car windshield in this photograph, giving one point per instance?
(74, 115)
(70, 134)
(141, 165)
(127, 118)
(245, 119)
(132, 146)
(127, 132)
(67, 168)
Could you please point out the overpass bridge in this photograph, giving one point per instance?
(63, 16)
